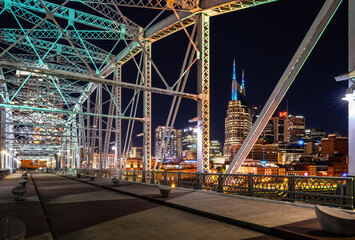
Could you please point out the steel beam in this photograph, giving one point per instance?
(203, 89)
(53, 34)
(118, 132)
(69, 14)
(295, 65)
(351, 85)
(86, 78)
(51, 110)
(147, 109)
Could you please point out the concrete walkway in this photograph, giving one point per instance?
(28, 211)
(283, 219)
(76, 210)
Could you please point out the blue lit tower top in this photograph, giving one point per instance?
(234, 84)
(243, 84)
(238, 90)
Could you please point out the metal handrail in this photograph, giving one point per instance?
(335, 191)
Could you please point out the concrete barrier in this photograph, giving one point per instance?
(22, 182)
(115, 181)
(164, 190)
(335, 220)
(12, 228)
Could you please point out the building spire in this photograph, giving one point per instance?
(234, 84)
(243, 84)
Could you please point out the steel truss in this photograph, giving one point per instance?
(61, 88)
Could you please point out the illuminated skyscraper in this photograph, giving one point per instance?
(171, 150)
(296, 128)
(238, 120)
(281, 128)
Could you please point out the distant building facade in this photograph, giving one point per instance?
(260, 151)
(267, 135)
(189, 138)
(216, 149)
(171, 149)
(334, 144)
(296, 128)
(281, 128)
(315, 134)
(290, 153)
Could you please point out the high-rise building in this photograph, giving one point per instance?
(267, 135)
(281, 128)
(288, 128)
(255, 111)
(189, 138)
(179, 142)
(238, 120)
(215, 149)
(296, 128)
(171, 150)
(315, 134)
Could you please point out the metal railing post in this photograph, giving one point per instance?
(291, 187)
(152, 177)
(197, 180)
(134, 176)
(179, 179)
(220, 183)
(165, 181)
(250, 184)
(350, 192)
(143, 176)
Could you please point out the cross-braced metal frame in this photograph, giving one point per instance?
(61, 78)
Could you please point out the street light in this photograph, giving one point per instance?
(349, 95)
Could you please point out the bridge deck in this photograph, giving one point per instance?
(98, 210)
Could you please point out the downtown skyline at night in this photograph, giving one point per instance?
(262, 40)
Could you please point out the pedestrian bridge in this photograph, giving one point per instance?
(63, 206)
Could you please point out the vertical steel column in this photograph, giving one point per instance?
(99, 110)
(351, 86)
(88, 134)
(295, 65)
(3, 125)
(7, 129)
(203, 89)
(147, 108)
(118, 134)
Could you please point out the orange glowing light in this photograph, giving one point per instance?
(172, 185)
(282, 114)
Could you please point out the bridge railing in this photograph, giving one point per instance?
(334, 191)
(4, 172)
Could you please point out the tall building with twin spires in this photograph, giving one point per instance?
(238, 121)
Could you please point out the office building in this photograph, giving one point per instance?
(171, 149)
(238, 120)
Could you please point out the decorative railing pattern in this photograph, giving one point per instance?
(4, 172)
(334, 191)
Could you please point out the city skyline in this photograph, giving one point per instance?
(314, 94)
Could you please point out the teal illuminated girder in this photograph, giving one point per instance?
(61, 75)
(69, 14)
(59, 48)
(53, 34)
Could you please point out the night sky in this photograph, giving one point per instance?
(263, 39)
